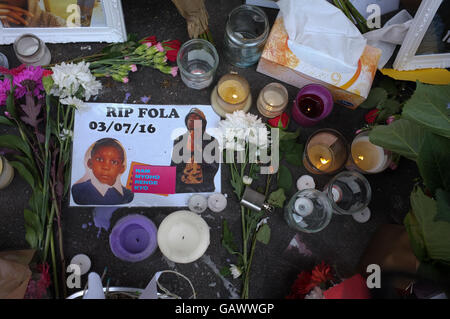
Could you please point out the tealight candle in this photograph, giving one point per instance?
(31, 50)
(326, 152)
(133, 238)
(313, 103)
(6, 173)
(367, 157)
(183, 236)
(272, 100)
(232, 93)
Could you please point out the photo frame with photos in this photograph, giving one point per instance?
(111, 31)
(407, 58)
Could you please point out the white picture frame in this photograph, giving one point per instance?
(406, 58)
(263, 3)
(114, 31)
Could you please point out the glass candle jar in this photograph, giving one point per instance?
(31, 50)
(232, 93)
(272, 100)
(308, 211)
(6, 173)
(366, 157)
(326, 152)
(197, 60)
(313, 103)
(246, 32)
(4, 61)
(349, 192)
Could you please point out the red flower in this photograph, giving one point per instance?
(47, 73)
(152, 40)
(281, 121)
(321, 274)
(302, 286)
(172, 55)
(172, 47)
(13, 72)
(372, 116)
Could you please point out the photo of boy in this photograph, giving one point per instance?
(27, 13)
(192, 177)
(101, 184)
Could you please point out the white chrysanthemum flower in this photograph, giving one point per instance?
(239, 129)
(262, 222)
(315, 293)
(235, 271)
(75, 102)
(68, 79)
(247, 180)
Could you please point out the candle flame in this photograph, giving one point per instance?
(235, 96)
(324, 160)
(361, 157)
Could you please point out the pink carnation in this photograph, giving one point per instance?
(159, 47)
(174, 71)
(133, 68)
(125, 80)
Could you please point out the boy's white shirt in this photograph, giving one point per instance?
(103, 188)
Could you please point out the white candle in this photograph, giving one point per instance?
(304, 206)
(367, 156)
(6, 173)
(183, 237)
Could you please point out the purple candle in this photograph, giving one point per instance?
(133, 238)
(313, 103)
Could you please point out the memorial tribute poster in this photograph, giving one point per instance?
(143, 155)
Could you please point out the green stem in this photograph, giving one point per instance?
(269, 179)
(45, 184)
(55, 277)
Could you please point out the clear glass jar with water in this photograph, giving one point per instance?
(308, 211)
(246, 32)
(197, 60)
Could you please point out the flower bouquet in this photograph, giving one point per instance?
(118, 60)
(40, 104)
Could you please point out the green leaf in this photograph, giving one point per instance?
(263, 234)
(36, 203)
(28, 164)
(289, 135)
(284, 178)
(388, 108)
(433, 234)
(23, 171)
(10, 104)
(47, 82)
(434, 162)
(295, 155)
(388, 84)
(227, 239)
(31, 237)
(225, 271)
(428, 107)
(402, 137)
(415, 236)
(5, 121)
(376, 96)
(277, 198)
(15, 143)
(32, 220)
(443, 206)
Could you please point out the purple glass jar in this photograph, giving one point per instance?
(313, 103)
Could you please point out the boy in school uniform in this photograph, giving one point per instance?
(104, 186)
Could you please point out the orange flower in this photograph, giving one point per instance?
(321, 274)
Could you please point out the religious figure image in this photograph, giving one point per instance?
(191, 176)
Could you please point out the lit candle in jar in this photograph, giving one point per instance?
(369, 158)
(31, 50)
(313, 103)
(326, 152)
(183, 236)
(6, 173)
(321, 156)
(272, 100)
(232, 93)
